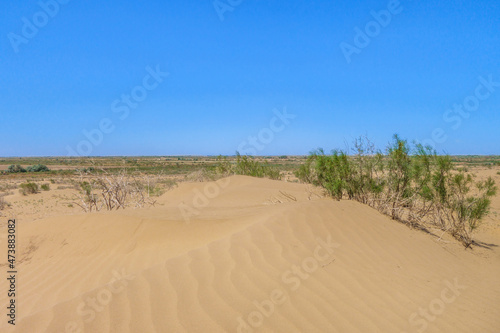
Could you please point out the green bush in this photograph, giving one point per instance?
(45, 187)
(305, 173)
(15, 169)
(28, 188)
(412, 184)
(245, 165)
(223, 166)
(37, 168)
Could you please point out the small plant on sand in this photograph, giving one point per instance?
(468, 208)
(89, 201)
(28, 188)
(45, 187)
(3, 204)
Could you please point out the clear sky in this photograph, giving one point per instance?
(331, 70)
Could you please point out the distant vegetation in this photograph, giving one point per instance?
(409, 183)
(247, 166)
(37, 168)
(15, 168)
(32, 168)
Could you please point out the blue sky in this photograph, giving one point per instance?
(64, 70)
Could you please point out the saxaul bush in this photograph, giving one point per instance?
(411, 184)
(368, 165)
(465, 209)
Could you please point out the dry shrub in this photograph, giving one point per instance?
(3, 204)
(28, 188)
(115, 191)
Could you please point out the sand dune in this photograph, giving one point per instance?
(249, 255)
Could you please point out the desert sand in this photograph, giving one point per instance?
(250, 255)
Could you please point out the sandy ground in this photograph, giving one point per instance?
(245, 255)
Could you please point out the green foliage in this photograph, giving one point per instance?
(155, 191)
(468, 208)
(15, 168)
(246, 165)
(89, 199)
(334, 173)
(28, 188)
(37, 168)
(305, 173)
(411, 184)
(223, 166)
(45, 187)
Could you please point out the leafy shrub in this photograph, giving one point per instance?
(15, 168)
(223, 166)
(28, 188)
(45, 187)
(411, 184)
(37, 168)
(305, 173)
